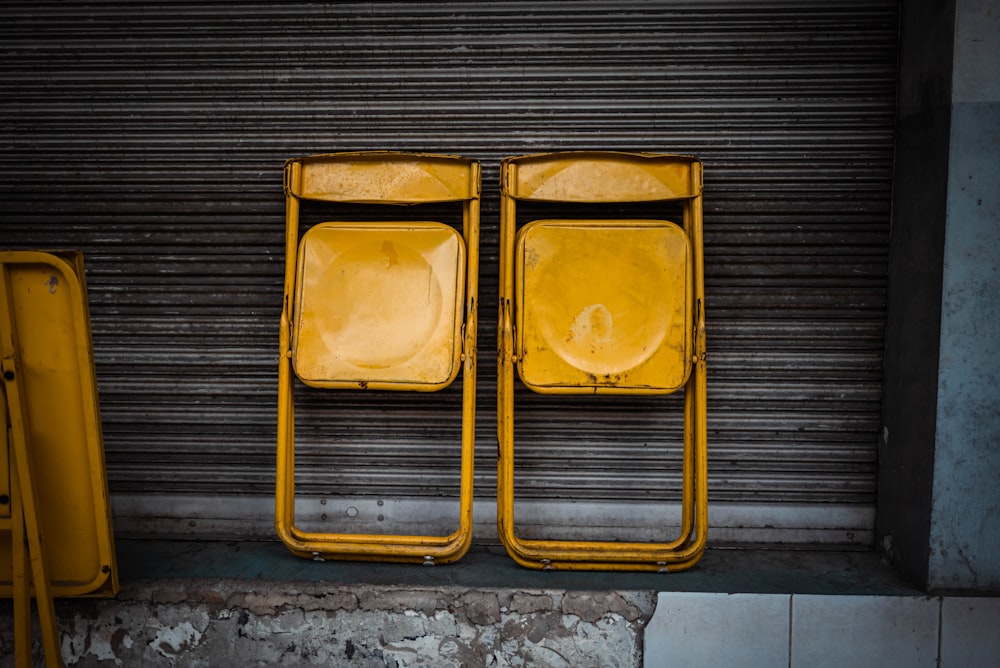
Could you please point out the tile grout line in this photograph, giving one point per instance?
(791, 602)
(940, 624)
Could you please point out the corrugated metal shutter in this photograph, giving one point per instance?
(151, 136)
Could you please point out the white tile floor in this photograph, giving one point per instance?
(864, 631)
(811, 631)
(970, 632)
(695, 629)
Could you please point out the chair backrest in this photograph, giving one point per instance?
(601, 176)
(382, 177)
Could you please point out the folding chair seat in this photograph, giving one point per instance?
(387, 305)
(603, 307)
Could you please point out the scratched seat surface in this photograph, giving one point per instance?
(379, 303)
(603, 305)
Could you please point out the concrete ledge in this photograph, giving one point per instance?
(199, 603)
(720, 570)
(256, 623)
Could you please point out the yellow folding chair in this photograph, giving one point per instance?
(378, 305)
(55, 519)
(603, 307)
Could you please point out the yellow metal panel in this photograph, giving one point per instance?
(383, 177)
(379, 305)
(48, 318)
(604, 306)
(600, 176)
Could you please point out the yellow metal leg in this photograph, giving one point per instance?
(25, 573)
(26, 532)
(19, 562)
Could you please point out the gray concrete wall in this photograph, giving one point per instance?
(964, 531)
(236, 623)
(939, 459)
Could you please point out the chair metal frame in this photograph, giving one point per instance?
(603, 177)
(378, 177)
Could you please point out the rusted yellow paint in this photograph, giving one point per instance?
(55, 525)
(379, 305)
(600, 176)
(398, 290)
(603, 306)
(383, 178)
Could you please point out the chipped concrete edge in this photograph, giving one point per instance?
(256, 623)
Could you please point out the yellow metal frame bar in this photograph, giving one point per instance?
(384, 178)
(30, 566)
(598, 176)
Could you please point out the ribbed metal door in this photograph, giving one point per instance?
(152, 136)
